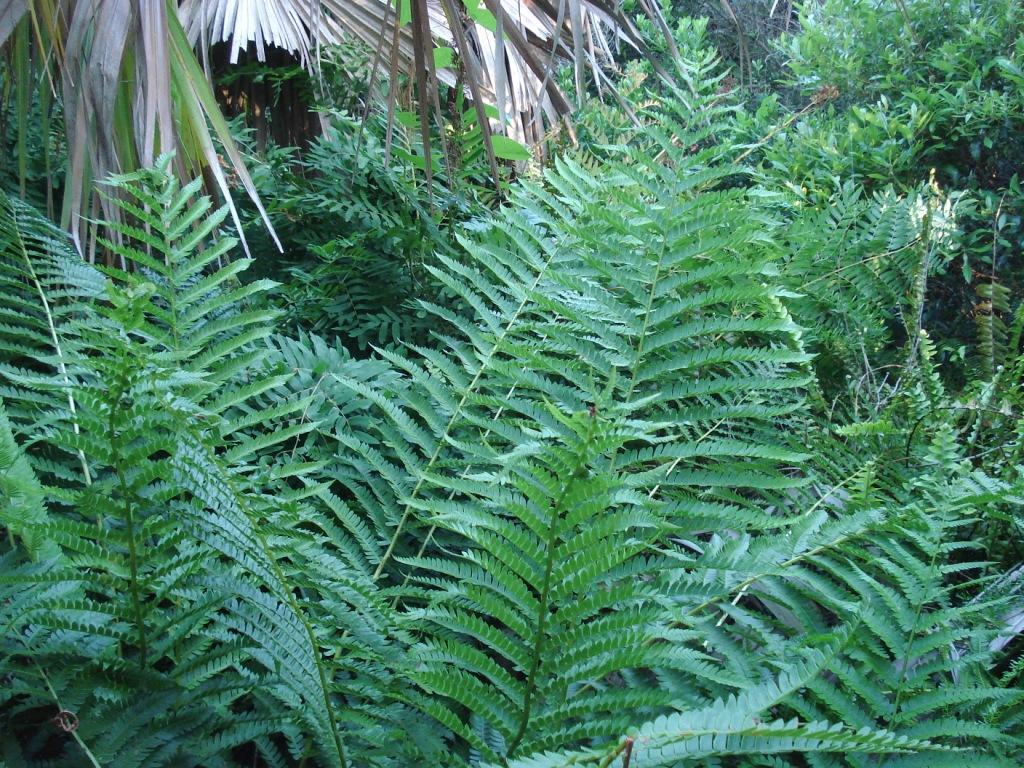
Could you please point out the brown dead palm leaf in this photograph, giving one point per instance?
(503, 52)
(131, 89)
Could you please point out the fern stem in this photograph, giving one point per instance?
(638, 354)
(545, 593)
(626, 744)
(900, 684)
(74, 732)
(305, 411)
(129, 520)
(455, 416)
(314, 647)
(675, 463)
(55, 340)
(874, 258)
(293, 603)
(451, 494)
(748, 582)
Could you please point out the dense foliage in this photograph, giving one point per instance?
(706, 447)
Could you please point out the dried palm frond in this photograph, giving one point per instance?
(131, 89)
(507, 50)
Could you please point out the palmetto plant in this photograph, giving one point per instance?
(131, 86)
(507, 52)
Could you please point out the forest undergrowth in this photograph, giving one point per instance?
(700, 442)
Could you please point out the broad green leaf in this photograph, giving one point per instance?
(509, 149)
